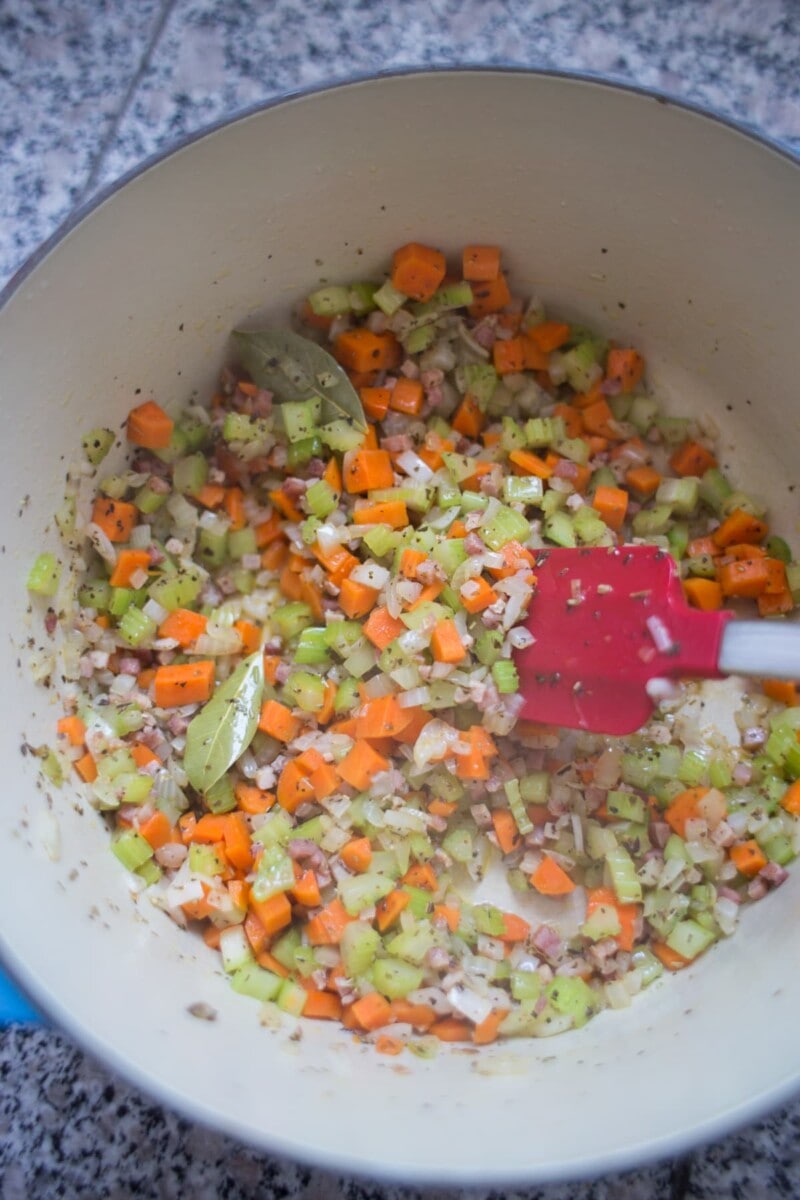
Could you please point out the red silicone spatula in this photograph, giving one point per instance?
(608, 621)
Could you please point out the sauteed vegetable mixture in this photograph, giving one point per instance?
(288, 628)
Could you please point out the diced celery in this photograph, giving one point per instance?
(381, 540)
(240, 427)
(321, 499)
(643, 412)
(517, 806)
(714, 489)
(776, 547)
(342, 636)
(330, 301)
(255, 981)
(95, 594)
(678, 538)
(275, 873)
(276, 830)
(359, 947)
(552, 502)
(285, 948)
(505, 676)
(526, 985)
(136, 627)
(647, 964)
(622, 870)
(312, 830)
(535, 787)
(290, 618)
(747, 503)
(675, 848)
(149, 501)
(312, 647)
(719, 774)
(195, 430)
(523, 489)
(190, 474)
(702, 565)
(559, 528)
(480, 380)
(581, 364)
(620, 406)
(472, 501)
(412, 945)
(626, 806)
(603, 923)
(341, 435)
(673, 430)
(599, 840)
(363, 891)
(506, 525)
(489, 920)
(304, 691)
(449, 554)
(570, 995)
(303, 451)
(212, 543)
(779, 849)
(602, 477)
(292, 998)
(120, 601)
(543, 431)
(388, 299)
(681, 495)
(589, 526)
(45, 575)
(693, 769)
(419, 339)
(650, 521)
(577, 450)
(689, 939)
(420, 902)
(96, 444)
(150, 872)
(459, 466)
(301, 418)
(361, 659)
(449, 496)
(394, 978)
(176, 591)
(204, 860)
(458, 843)
(513, 435)
(235, 949)
(132, 850)
(362, 297)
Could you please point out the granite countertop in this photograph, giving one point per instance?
(90, 87)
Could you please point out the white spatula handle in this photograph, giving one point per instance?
(770, 648)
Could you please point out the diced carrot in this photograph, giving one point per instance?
(612, 505)
(509, 355)
(473, 765)
(571, 416)
(410, 559)
(269, 531)
(420, 1016)
(698, 547)
(294, 788)
(274, 913)
(627, 913)
(417, 270)
(184, 683)
(480, 264)
(275, 555)
(739, 550)
(772, 605)
(333, 475)
(362, 350)
(747, 577)
(129, 562)
(183, 625)
(488, 1029)
(149, 426)
(285, 506)
(375, 401)
(210, 495)
(550, 879)
(692, 459)
(388, 909)
(356, 599)
(781, 690)
(478, 595)
(684, 808)
(407, 396)
(255, 933)
(209, 829)
(370, 439)
(73, 729)
(237, 841)
(372, 1011)
(250, 635)
(598, 419)
(421, 875)
(624, 367)
(211, 936)
(86, 767)
(790, 800)
(748, 857)
(489, 296)
(446, 643)
(516, 928)
(442, 808)
(187, 823)
(505, 828)
(515, 558)
(705, 594)
(536, 359)
(270, 963)
(142, 755)
(326, 928)
(549, 335)
(278, 721)
(740, 526)
(116, 518)
(643, 480)
(449, 914)
(306, 889)
(365, 470)
(361, 764)
(271, 664)
(357, 854)
(382, 717)
(234, 507)
(468, 420)
(381, 512)
(322, 1006)
(671, 959)
(251, 799)
(530, 464)
(419, 719)
(452, 1029)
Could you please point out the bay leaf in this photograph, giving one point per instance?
(295, 368)
(226, 725)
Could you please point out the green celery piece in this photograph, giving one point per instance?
(291, 618)
(419, 339)
(678, 538)
(332, 301)
(342, 636)
(573, 997)
(650, 521)
(544, 431)
(179, 590)
(304, 691)
(488, 646)
(303, 451)
(363, 891)
(149, 501)
(190, 474)
(321, 499)
(301, 418)
(535, 787)
(240, 427)
(341, 435)
(150, 872)
(275, 873)
(45, 575)
(480, 380)
(291, 998)
(212, 543)
(136, 627)
(359, 947)
(604, 922)
(394, 978)
(643, 412)
(252, 980)
(582, 365)
(388, 299)
(362, 297)
(674, 430)
(204, 860)
(526, 985)
(626, 806)
(196, 431)
(513, 435)
(419, 901)
(693, 769)
(523, 489)
(644, 961)
(312, 647)
(714, 489)
(459, 844)
(776, 547)
(690, 939)
(449, 554)
(517, 806)
(412, 945)
(489, 920)
(242, 542)
(681, 495)
(132, 850)
(96, 444)
(559, 528)
(505, 676)
(622, 869)
(277, 829)
(506, 525)
(575, 449)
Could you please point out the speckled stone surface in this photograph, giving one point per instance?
(90, 87)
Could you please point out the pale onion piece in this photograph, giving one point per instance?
(434, 742)
(467, 1002)
(413, 466)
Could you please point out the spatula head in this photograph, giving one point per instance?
(606, 621)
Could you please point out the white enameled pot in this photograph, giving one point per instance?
(656, 223)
